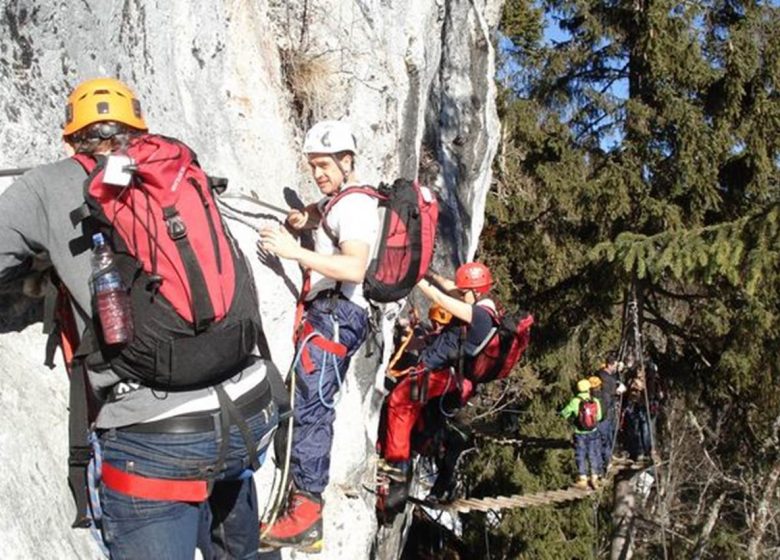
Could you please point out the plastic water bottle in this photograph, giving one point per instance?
(111, 298)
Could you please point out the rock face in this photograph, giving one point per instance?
(240, 81)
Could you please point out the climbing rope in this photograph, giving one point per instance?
(278, 493)
(633, 307)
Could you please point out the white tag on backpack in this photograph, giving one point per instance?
(118, 171)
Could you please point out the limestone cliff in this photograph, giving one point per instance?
(240, 81)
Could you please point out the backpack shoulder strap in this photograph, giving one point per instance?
(490, 306)
(88, 162)
(60, 325)
(365, 189)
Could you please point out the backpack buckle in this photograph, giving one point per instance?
(177, 229)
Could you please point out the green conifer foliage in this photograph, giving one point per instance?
(641, 142)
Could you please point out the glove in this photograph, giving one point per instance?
(620, 388)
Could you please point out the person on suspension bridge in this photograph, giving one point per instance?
(585, 413)
(176, 429)
(334, 325)
(608, 391)
(448, 370)
(641, 411)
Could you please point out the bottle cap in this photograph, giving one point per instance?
(98, 240)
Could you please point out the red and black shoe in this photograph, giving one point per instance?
(299, 526)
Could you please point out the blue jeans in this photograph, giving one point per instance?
(606, 430)
(638, 426)
(587, 448)
(223, 527)
(316, 390)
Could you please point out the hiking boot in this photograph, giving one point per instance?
(299, 525)
(391, 500)
(595, 481)
(582, 482)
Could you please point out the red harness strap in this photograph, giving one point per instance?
(321, 342)
(154, 488)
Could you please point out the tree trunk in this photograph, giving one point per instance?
(623, 517)
(712, 518)
(762, 517)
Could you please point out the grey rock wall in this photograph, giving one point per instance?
(240, 80)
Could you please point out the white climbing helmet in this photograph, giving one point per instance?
(329, 137)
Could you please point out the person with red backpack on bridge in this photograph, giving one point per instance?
(477, 346)
(585, 412)
(163, 341)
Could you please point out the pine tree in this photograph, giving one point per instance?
(641, 143)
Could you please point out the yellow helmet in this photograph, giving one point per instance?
(440, 315)
(583, 385)
(99, 100)
(595, 382)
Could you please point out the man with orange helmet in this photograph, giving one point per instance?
(176, 476)
(472, 325)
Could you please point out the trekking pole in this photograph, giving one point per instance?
(14, 172)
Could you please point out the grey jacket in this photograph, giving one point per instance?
(34, 217)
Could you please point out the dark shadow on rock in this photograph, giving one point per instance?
(17, 311)
(272, 261)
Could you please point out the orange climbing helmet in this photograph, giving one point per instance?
(473, 276)
(595, 382)
(439, 315)
(100, 100)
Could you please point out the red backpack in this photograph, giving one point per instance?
(195, 311)
(504, 349)
(405, 244)
(588, 414)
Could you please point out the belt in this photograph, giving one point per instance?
(249, 404)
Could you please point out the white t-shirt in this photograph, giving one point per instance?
(353, 218)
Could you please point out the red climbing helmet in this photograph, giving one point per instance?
(473, 276)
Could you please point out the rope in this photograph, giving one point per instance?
(14, 172)
(441, 400)
(639, 356)
(334, 363)
(252, 200)
(279, 493)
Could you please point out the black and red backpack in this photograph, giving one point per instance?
(404, 248)
(504, 349)
(194, 306)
